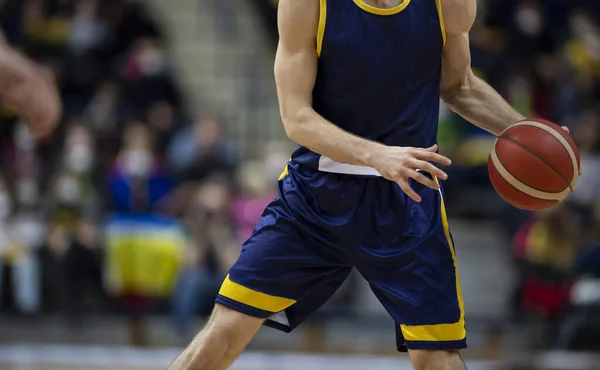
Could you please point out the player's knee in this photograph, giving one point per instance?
(221, 333)
(437, 360)
(222, 340)
(217, 343)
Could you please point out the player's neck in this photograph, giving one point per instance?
(383, 4)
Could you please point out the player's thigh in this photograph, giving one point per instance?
(418, 283)
(282, 264)
(436, 360)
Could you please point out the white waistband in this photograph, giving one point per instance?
(329, 165)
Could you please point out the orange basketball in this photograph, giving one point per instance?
(534, 164)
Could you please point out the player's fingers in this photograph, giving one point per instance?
(45, 111)
(432, 148)
(419, 177)
(428, 167)
(408, 190)
(426, 155)
(566, 129)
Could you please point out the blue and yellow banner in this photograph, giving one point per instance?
(143, 255)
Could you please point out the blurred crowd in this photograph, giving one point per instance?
(138, 205)
(544, 57)
(134, 200)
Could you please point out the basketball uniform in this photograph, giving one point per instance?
(378, 77)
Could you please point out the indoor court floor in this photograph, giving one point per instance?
(63, 357)
(239, 367)
(62, 367)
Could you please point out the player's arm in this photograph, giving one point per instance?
(466, 94)
(295, 75)
(30, 89)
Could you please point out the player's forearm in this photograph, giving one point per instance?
(307, 128)
(480, 104)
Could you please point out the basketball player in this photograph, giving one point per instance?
(359, 83)
(30, 89)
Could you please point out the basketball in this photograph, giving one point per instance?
(534, 164)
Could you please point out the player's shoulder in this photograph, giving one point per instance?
(300, 8)
(299, 16)
(459, 15)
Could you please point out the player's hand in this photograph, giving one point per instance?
(31, 89)
(400, 164)
(38, 100)
(569, 132)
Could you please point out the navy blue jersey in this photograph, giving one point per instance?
(379, 72)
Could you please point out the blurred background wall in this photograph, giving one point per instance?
(119, 228)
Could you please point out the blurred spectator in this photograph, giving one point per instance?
(162, 118)
(87, 30)
(138, 178)
(74, 268)
(588, 261)
(146, 77)
(580, 327)
(587, 137)
(530, 31)
(19, 238)
(200, 149)
(545, 248)
(257, 181)
(73, 194)
(86, 60)
(102, 114)
(256, 192)
(583, 49)
(21, 157)
(131, 21)
(212, 250)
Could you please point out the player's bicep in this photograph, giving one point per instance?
(296, 59)
(459, 16)
(456, 63)
(295, 74)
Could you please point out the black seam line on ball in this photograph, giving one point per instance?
(512, 186)
(568, 185)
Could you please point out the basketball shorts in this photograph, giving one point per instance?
(321, 226)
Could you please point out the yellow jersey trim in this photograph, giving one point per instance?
(441, 332)
(321, 29)
(284, 173)
(249, 297)
(441, 16)
(378, 11)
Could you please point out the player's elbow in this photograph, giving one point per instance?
(449, 94)
(453, 93)
(290, 126)
(293, 123)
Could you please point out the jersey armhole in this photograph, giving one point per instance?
(321, 29)
(441, 16)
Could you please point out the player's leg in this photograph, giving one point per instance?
(221, 341)
(413, 274)
(436, 360)
(286, 270)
